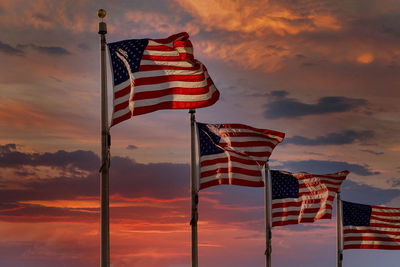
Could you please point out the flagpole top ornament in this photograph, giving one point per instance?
(101, 13)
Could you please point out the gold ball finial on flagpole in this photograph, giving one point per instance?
(101, 13)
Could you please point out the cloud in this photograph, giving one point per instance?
(19, 49)
(325, 166)
(8, 49)
(373, 152)
(284, 107)
(137, 191)
(11, 157)
(341, 138)
(260, 17)
(131, 147)
(128, 178)
(8, 148)
(365, 194)
(50, 50)
(394, 182)
(42, 17)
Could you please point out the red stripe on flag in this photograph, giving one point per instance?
(226, 160)
(288, 204)
(180, 57)
(163, 67)
(302, 211)
(180, 36)
(371, 238)
(169, 78)
(232, 181)
(242, 126)
(122, 92)
(247, 144)
(371, 231)
(302, 220)
(230, 170)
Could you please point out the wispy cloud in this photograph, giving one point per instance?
(326, 166)
(373, 152)
(341, 138)
(131, 147)
(50, 50)
(8, 49)
(285, 107)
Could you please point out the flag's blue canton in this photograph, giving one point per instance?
(132, 51)
(284, 185)
(209, 139)
(356, 214)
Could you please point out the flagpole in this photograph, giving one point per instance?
(268, 248)
(339, 251)
(105, 149)
(193, 189)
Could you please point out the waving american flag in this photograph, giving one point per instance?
(154, 74)
(303, 197)
(234, 153)
(370, 227)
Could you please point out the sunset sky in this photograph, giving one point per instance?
(327, 73)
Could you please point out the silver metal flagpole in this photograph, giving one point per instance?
(105, 149)
(267, 216)
(339, 251)
(193, 188)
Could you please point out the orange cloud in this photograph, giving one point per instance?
(365, 58)
(116, 201)
(155, 23)
(256, 17)
(249, 54)
(47, 14)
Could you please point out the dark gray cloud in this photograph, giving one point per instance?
(220, 204)
(373, 152)
(160, 180)
(131, 147)
(50, 50)
(19, 49)
(394, 182)
(7, 148)
(8, 49)
(11, 157)
(56, 79)
(365, 194)
(283, 107)
(322, 167)
(128, 178)
(300, 56)
(42, 17)
(279, 93)
(341, 138)
(305, 61)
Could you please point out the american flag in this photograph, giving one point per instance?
(234, 153)
(154, 74)
(370, 227)
(303, 197)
